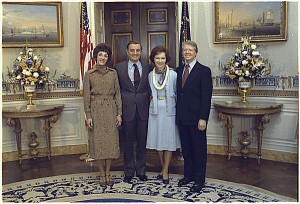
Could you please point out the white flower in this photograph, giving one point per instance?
(19, 58)
(236, 71)
(244, 62)
(18, 77)
(236, 64)
(28, 73)
(247, 73)
(27, 82)
(30, 53)
(35, 74)
(32, 83)
(258, 64)
(253, 46)
(22, 82)
(21, 53)
(47, 69)
(24, 71)
(244, 52)
(255, 53)
(35, 57)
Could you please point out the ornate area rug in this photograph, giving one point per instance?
(86, 188)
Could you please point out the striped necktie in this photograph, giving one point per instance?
(185, 74)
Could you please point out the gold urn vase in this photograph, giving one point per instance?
(29, 92)
(244, 89)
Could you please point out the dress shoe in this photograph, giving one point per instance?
(102, 183)
(196, 188)
(127, 179)
(184, 181)
(109, 181)
(143, 177)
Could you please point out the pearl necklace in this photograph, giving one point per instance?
(165, 80)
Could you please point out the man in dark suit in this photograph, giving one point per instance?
(135, 91)
(194, 92)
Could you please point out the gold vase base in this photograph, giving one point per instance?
(244, 101)
(31, 106)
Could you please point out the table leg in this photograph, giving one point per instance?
(229, 125)
(47, 129)
(260, 120)
(18, 130)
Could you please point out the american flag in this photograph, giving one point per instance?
(86, 45)
(185, 33)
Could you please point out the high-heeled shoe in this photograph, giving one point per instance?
(166, 181)
(109, 181)
(102, 183)
(159, 176)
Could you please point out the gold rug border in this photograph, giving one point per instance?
(211, 149)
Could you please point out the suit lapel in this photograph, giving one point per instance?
(179, 76)
(195, 71)
(125, 74)
(144, 76)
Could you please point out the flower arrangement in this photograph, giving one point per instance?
(246, 63)
(29, 68)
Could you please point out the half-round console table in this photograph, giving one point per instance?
(13, 115)
(261, 111)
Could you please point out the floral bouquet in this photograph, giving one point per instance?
(29, 68)
(246, 63)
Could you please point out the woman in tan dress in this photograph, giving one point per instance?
(103, 113)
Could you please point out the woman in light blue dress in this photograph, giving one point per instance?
(162, 130)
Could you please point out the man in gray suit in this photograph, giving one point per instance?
(135, 91)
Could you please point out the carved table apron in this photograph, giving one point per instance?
(14, 113)
(260, 110)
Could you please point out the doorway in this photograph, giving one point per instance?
(151, 24)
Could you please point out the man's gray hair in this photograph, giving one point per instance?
(192, 43)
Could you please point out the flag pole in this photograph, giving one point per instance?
(86, 59)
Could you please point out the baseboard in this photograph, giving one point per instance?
(55, 151)
(266, 154)
(211, 149)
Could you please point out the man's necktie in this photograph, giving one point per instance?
(137, 77)
(185, 74)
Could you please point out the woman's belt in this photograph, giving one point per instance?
(103, 96)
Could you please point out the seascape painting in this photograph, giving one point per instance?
(38, 24)
(262, 21)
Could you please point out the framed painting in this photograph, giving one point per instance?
(262, 21)
(37, 24)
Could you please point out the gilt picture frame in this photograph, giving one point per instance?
(36, 24)
(261, 21)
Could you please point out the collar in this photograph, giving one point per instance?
(130, 64)
(192, 64)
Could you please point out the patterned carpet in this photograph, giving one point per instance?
(85, 188)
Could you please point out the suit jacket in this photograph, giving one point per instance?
(170, 90)
(134, 100)
(194, 99)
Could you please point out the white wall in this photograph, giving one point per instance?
(283, 56)
(68, 130)
(63, 59)
(279, 135)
